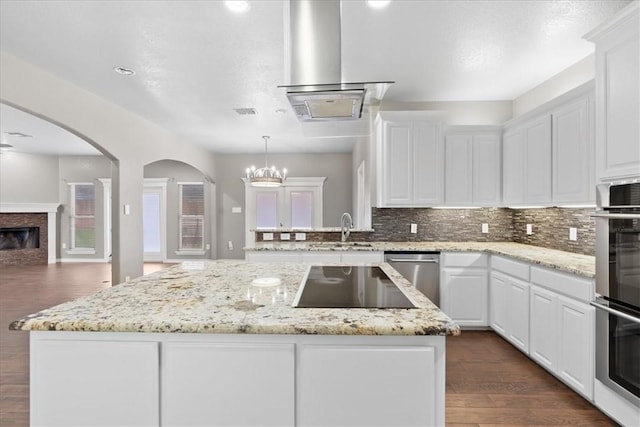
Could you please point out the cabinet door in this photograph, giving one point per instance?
(464, 296)
(428, 160)
(576, 350)
(487, 167)
(228, 384)
(362, 257)
(458, 170)
(618, 103)
(544, 328)
(518, 314)
(398, 164)
(88, 383)
(498, 302)
(320, 256)
(537, 154)
(366, 386)
(513, 168)
(573, 153)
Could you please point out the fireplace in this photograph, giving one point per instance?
(12, 238)
(27, 233)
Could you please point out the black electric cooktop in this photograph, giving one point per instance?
(349, 287)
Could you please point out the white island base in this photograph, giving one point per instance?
(190, 379)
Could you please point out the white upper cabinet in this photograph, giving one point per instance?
(410, 162)
(618, 96)
(527, 162)
(472, 168)
(537, 154)
(548, 154)
(573, 177)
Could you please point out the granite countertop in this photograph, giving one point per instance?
(582, 265)
(218, 297)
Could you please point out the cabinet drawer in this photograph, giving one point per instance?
(564, 283)
(513, 268)
(465, 260)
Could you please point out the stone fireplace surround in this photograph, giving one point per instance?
(43, 215)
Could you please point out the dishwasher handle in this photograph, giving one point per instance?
(425, 261)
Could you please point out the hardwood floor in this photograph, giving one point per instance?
(489, 382)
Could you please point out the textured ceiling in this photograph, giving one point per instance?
(196, 61)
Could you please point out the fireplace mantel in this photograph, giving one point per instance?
(51, 209)
(29, 207)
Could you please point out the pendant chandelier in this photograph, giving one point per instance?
(266, 176)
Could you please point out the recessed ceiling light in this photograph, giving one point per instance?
(237, 6)
(124, 71)
(378, 4)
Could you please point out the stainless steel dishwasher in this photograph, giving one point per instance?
(422, 269)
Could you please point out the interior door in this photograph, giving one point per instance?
(153, 224)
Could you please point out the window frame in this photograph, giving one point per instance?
(190, 251)
(73, 249)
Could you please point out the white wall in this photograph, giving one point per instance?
(459, 112)
(231, 168)
(28, 178)
(124, 137)
(570, 78)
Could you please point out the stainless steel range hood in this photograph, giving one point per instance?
(316, 91)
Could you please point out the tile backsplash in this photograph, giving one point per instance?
(433, 225)
(550, 226)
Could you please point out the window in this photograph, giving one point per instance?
(82, 217)
(191, 216)
(295, 205)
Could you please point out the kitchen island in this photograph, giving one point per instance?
(201, 344)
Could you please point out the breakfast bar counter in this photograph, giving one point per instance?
(219, 343)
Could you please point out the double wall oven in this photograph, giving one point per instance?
(618, 288)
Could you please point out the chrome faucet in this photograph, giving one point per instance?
(345, 230)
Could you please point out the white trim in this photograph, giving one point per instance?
(106, 206)
(95, 260)
(194, 252)
(29, 207)
(181, 260)
(297, 181)
(159, 184)
(81, 251)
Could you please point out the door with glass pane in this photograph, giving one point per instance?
(153, 224)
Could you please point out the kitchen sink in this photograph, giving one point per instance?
(341, 245)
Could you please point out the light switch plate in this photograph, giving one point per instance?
(285, 236)
(301, 236)
(529, 228)
(414, 228)
(267, 236)
(127, 209)
(573, 233)
(485, 227)
(236, 209)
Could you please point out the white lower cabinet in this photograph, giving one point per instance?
(235, 384)
(509, 307)
(367, 386)
(82, 382)
(562, 331)
(463, 288)
(272, 256)
(312, 256)
(464, 296)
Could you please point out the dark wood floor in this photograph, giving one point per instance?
(489, 382)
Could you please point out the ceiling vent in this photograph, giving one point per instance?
(245, 111)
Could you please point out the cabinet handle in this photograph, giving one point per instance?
(615, 312)
(615, 215)
(425, 261)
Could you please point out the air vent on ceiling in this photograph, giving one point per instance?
(245, 111)
(19, 134)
